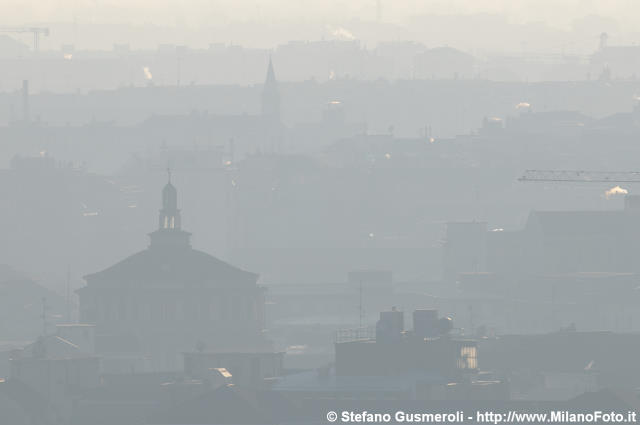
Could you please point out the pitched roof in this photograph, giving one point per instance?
(167, 267)
(53, 347)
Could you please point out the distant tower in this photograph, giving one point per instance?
(604, 37)
(271, 96)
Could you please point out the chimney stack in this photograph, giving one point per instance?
(25, 101)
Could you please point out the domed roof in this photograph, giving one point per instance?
(171, 268)
(170, 261)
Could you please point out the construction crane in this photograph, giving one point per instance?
(580, 176)
(36, 31)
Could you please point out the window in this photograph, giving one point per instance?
(468, 358)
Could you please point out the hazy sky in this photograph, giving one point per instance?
(559, 13)
(496, 25)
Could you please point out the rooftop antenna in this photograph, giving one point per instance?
(44, 316)
(169, 174)
(69, 293)
(360, 311)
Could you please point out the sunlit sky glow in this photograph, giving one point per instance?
(265, 23)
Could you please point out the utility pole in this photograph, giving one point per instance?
(360, 311)
(69, 293)
(44, 316)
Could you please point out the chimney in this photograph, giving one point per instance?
(390, 326)
(25, 101)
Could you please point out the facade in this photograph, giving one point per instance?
(551, 242)
(394, 351)
(565, 364)
(425, 363)
(171, 298)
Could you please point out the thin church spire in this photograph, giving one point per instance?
(271, 95)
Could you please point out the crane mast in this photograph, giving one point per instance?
(36, 31)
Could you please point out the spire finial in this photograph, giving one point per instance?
(169, 175)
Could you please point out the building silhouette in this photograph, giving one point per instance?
(170, 298)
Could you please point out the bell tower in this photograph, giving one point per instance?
(169, 231)
(169, 213)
